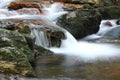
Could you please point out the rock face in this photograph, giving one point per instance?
(15, 54)
(81, 23)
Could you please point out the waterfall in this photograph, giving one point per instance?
(48, 19)
(88, 51)
(41, 37)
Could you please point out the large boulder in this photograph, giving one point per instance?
(81, 23)
(15, 55)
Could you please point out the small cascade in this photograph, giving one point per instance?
(105, 26)
(89, 51)
(41, 37)
(52, 13)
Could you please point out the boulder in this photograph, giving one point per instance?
(15, 55)
(81, 22)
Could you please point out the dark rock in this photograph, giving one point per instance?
(81, 23)
(111, 12)
(108, 24)
(55, 38)
(118, 22)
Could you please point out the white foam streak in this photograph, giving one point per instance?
(4, 3)
(54, 11)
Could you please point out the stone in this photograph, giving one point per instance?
(81, 23)
(20, 5)
(15, 55)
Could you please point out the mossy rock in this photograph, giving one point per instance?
(106, 2)
(15, 51)
(111, 12)
(81, 23)
(42, 51)
(14, 61)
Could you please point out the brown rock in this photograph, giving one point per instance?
(60, 0)
(109, 24)
(19, 5)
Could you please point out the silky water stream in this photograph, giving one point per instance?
(83, 59)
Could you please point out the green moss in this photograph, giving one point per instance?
(85, 23)
(43, 51)
(14, 49)
(26, 30)
(112, 12)
(87, 6)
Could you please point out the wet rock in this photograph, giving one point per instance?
(56, 37)
(20, 5)
(40, 51)
(81, 23)
(108, 24)
(118, 22)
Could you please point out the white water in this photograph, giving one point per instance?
(50, 15)
(40, 36)
(105, 28)
(88, 51)
(4, 3)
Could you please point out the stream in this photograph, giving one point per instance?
(85, 59)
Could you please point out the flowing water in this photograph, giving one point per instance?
(74, 60)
